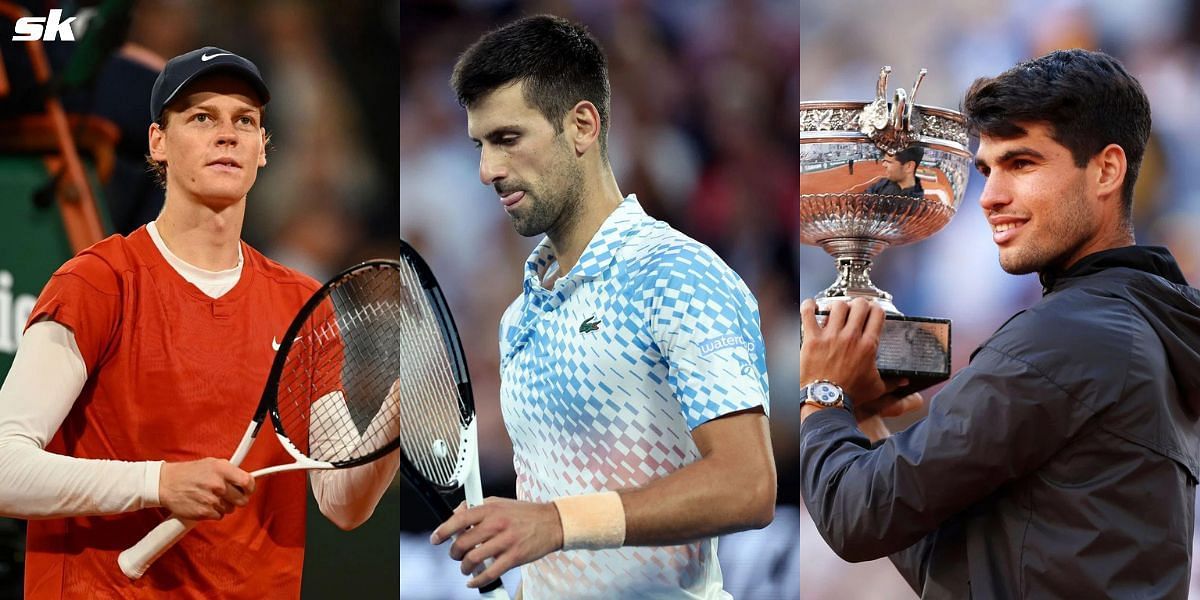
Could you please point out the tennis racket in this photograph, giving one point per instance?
(438, 436)
(333, 392)
(380, 330)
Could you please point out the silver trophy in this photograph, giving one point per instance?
(874, 175)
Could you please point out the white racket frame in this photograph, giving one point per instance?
(467, 472)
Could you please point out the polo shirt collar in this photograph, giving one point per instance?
(600, 252)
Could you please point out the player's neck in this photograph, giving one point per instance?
(202, 236)
(600, 198)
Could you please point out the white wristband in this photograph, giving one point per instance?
(592, 521)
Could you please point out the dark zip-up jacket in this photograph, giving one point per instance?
(1061, 463)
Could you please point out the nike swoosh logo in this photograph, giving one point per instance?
(275, 343)
(206, 58)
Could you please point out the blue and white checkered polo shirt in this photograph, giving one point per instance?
(604, 376)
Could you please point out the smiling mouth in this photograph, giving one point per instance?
(1005, 232)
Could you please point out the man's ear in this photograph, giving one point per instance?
(158, 142)
(262, 154)
(582, 124)
(1111, 170)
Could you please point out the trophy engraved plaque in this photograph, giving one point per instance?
(880, 174)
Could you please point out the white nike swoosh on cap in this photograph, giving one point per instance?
(207, 57)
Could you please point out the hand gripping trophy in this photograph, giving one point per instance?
(874, 175)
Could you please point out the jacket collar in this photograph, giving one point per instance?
(1151, 259)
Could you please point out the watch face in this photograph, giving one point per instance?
(825, 393)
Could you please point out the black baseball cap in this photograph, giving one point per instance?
(185, 68)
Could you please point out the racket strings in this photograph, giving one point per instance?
(333, 395)
(431, 406)
(336, 431)
(371, 365)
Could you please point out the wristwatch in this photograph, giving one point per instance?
(823, 393)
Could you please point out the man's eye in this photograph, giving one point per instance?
(201, 118)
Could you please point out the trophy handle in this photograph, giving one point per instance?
(912, 95)
(881, 85)
(901, 111)
(912, 100)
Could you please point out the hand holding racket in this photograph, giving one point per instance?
(332, 392)
(373, 361)
(438, 437)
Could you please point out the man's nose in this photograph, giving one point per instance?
(491, 167)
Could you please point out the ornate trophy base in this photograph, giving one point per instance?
(916, 348)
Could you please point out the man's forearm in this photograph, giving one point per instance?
(348, 497)
(998, 419)
(848, 514)
(730, 488)
(873, 427)
(35, 483)
(718, 494)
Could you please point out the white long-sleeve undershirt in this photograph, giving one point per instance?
(36, 484)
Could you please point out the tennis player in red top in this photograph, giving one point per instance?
(143, 359)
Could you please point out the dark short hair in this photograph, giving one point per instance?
(559, 62)
(911, 154)
(1087, 99)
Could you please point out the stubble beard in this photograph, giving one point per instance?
(1062, 234)
(556, 202)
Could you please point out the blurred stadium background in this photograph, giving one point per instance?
(703, 132)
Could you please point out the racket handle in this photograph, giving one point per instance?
(137, 558)
(473, 491)
(496, 594)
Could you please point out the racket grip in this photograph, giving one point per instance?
(137, 558)
(499, 593)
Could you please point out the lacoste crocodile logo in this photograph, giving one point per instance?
(589, 325)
